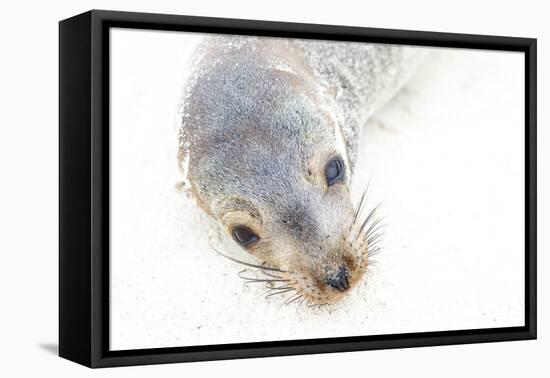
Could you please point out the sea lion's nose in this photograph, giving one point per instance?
(339, 280)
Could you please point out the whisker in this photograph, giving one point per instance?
(375, 245)
(359, 206)
(248, 264)
(374, 238)
(271, 275)
(371, 241)
(269, 286)
(300, 304)
(311, 304)
(293, 299)
(373, 229)
(254, 280)
(376, 230)
(374, 252)
(282, 287)
(371, 214)
(279, 293)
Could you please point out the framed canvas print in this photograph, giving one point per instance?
(233, 188)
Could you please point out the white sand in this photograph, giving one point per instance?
(446, 155)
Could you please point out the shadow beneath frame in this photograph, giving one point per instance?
(51, 348)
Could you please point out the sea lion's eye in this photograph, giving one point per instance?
(244, 235)
(334, 170)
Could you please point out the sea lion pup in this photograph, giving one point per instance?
(268, 141)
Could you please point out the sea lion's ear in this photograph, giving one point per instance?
(185, 188)
(180, 187)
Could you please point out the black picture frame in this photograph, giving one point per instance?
(84, 188)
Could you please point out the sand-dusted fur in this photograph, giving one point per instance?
(261, 119)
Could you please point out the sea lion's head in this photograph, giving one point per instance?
(262, 153)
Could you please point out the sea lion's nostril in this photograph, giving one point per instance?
(339, 280)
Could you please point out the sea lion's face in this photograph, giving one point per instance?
(275, 174)
(302, 228)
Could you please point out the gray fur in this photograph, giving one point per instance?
(236, 85)
(363, 77)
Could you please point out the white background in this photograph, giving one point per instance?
(452, 256)
(28, 154)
